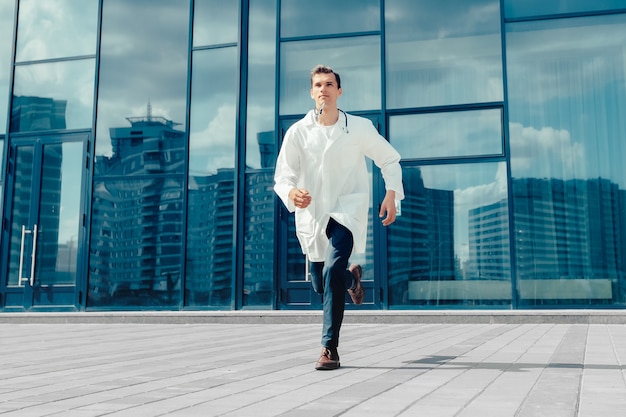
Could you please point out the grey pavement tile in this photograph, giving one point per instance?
(426, 369)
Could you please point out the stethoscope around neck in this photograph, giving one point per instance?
(345, 118)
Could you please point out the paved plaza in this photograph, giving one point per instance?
(430, 368)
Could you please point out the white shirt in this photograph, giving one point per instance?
(333, 169)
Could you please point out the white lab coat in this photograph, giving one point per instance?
(333, 169)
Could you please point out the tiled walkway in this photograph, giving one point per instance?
(256, 370)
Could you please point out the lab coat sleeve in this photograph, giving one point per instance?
(387, 159)
(287, 171)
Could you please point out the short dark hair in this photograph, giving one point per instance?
(323, 69)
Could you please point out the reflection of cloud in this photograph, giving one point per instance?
(214, 147)
(472, 197)
(71, 81)
(56, 28)
(428, 135)
(582, 54)
(444, 52)
(6, 32)
(545, 153)
(143, 58)
(442, 18)
(260, 119)
(483, 194)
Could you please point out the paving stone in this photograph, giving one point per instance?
(520, 368)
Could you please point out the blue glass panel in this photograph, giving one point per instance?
(443, 52)
(143, 87)
(1, 173)
(260, 121)
(215, 22)
(567, 100)
(322, 17)
(59, 213)
(6, 33)
(136, 245)
(258, 279)
(528, 8)
(56, 29)
(209, 252)
(20, 211)
(450, 246)
(213, 111)
(449, 134)
(357, 60)
(261, 139)
(57, 95)
(210, 224)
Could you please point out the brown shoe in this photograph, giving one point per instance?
(357, 293)
(329, 360)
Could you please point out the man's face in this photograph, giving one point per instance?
(324, 89)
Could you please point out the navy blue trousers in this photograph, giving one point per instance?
(332, 278)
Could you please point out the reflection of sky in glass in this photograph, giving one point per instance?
(449, 134)
(357, 60)
(71, 184)
(143, 60)
(525, 8)
(324, 17)
(261, 79)
(72, 81)
(6, 33)
(444, 52)
(567, 92)
(56, 29)
(474, 185)
(215, 22)
(213, 114)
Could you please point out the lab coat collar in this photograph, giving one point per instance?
(310, 122)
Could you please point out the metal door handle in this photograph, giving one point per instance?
(20, 279)
(30, 279)
(33, 257)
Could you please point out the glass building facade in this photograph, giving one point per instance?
(138, 141)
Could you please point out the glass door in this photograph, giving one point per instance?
(45, 212)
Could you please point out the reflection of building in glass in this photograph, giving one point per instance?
(568, 229)
(489, 255)
(137, 221)
(150, 145)
(48, 226)
(37, 113)
(569, 239)
(258, 236)
(422, 239)
(209, 268)
(50, 207)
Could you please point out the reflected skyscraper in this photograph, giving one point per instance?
(565, 231)
(37, 113)
(489, 254)
(259, 227)
(209, 270)
(422, 240)
(569, 230)
(136, 243)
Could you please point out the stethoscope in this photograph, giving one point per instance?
(345, 117)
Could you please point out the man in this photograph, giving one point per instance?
(321, 174)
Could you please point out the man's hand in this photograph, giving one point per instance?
(300, 197)
(388, 206)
